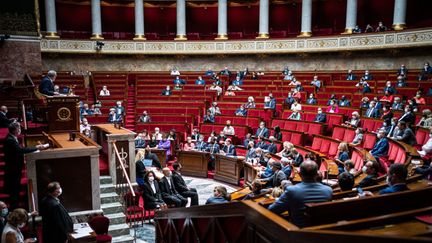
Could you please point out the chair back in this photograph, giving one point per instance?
(100, 224)
(130, 200)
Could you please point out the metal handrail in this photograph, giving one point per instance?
(123, 168)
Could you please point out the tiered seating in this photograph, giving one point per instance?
(117, 85)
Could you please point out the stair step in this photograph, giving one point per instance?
(118, 229)
(109, 197)
(123, 239)
(106, 188)
(105, 180)
(116, 218)
(109, 208)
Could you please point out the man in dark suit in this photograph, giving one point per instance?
(372, 111)
(113, 117)
(408, 117)
(402, 71)
(406, 135)
(226, 72)
(262, 130)
(389, 88)
(168, 191)
(56, 222)
(397, 104)
(4, 120)
(167, 91)
(381, 147)
(424, 73)
(367, 76)
(320, 117)
(181, 187)
(277, 177)
(371, 169)
(200, 144)
(213, 148)
(393, 127)
(396, 179)
(14, 162)
(295, 197)
(272, 148)
(46, 86)
(228, 149)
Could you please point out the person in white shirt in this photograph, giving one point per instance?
(157, 135)
(175, 72)
(427, 147)
(104, 91)
(228, 129)
(296, 106)
(85, 127)
(295, 115)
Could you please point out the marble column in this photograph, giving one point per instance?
(181, 20)
(96, 20)
(263, 19)
(139, 20)
(222, 20)
(399, 15)
(51, 23)
(351, 16)
(306, 20)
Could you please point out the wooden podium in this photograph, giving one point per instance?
(228, 169)
(63, 113)
(194, 163)
(105, 134)
(75, 164)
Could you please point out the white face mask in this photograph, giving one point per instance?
(151, 178)
(60, 191)
(388, 180)
(319, 112)
(364, 169)
(21, 225)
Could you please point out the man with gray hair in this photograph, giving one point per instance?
(46, 86)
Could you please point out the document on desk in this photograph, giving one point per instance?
(81, 230)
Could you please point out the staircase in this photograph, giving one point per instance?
(112, 209)
(130, 109)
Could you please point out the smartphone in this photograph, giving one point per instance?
(360, 191)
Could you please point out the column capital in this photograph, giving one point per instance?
(96, 37)
(180, 38)
(305, 34)
(263, 36)
(399, 26)
(222, 37)
(348, 31)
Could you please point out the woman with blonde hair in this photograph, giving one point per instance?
(343, 155)
(250, 103)
(140, 168)
(16, 220)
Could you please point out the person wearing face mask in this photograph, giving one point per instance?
(367, 76)
(228, 129)
(56, 222)
(387, 113)
(333, 107)
(344, 102)
(371, 170)
(250, 154)
(419, 100)
(241, 111)
(214, 109)
(311, 100)
(295, 115)
(151, 192)
(119, 109)
(393, 130)
(372, 111)
(277, 177)
(250, 103)
(381, 147)
(200, 144)
(351, 76)
(213, 149)
(405, 134)
(85, 127)
(389, 88)
(426, 120)
(168, 191)
(289, 100)
(165, 144)
(262, 131)
(408, 116)
(14, 163)
(320, 117)
(17, 219)
(167, 91)
(396, 179)
(358, 138)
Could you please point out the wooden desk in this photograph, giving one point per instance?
(105, 134)
(250, 172)
(161, 154)
(228, 169)
(194, 163)
(75, 164)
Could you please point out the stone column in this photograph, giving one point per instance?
(351, 16)
(399, 15)
(139, 20)
(96, 20)
(222, 20)
(263, 19)
(306, 20)
(181, 20)
(50, 16)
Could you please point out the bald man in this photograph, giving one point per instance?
(294, 198)
(168, 191)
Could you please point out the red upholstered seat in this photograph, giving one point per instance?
(422, 136)
(333, 149)
(133, 210)
(316, 143)
(315, 128)
(302, 127)
(278, 122)
(369, 140)
(290, 125)
(333, 120)
(286, 136)
(338, 133)
(401, 156)
(368, 124)
(325, 146)
(357, 159)
(296, 139)
(100, 226)
(348, 135)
